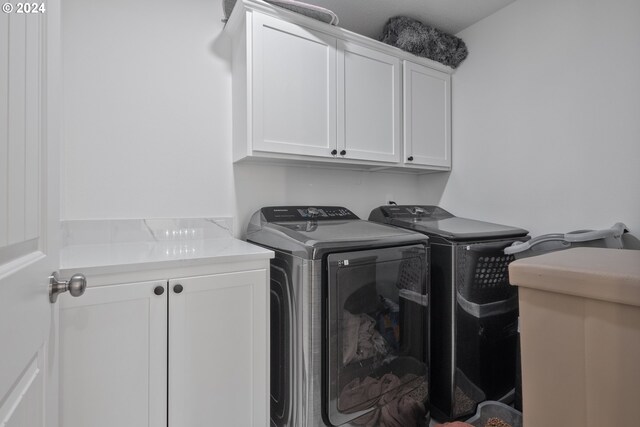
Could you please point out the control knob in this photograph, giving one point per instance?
(417, 210)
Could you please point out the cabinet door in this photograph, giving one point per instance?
(368, 103)
(218, 346)
(427, 116)
(113, 363)
(293, 90)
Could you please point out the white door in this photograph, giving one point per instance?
(29, 49)
(294, 88)
(218, 343)
(368, 104)
(427, 116)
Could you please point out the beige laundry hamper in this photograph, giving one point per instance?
(580, 337)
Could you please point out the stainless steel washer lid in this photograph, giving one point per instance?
(309, 232)
(435, 220)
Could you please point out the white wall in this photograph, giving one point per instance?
(258, 186)
(147, 129)
(146, 88)
(546, 117)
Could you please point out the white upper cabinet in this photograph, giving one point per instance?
(368, 107)
(310, 93)
(294, 89)
(427, 116)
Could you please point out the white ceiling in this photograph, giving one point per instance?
(367, 17)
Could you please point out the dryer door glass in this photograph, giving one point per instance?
(377, 320)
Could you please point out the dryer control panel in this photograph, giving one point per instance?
(306, 213)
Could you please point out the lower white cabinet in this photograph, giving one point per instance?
(217, 350)
(178, 352)
(113, 356)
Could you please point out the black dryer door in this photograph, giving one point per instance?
(377, 320)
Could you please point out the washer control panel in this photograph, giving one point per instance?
(414, 211)
(306, 213)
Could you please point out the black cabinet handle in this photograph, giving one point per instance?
(410, 158)
(343, 152)
(178, 288)
(158, 290)
(334, 152)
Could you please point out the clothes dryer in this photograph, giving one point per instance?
(349, 318)
(474, 310)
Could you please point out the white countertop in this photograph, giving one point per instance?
(159, 254)
(97, 247)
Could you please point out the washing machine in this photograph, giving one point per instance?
(474, 310)
(349, 318)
